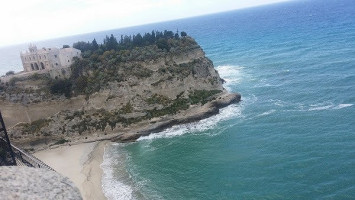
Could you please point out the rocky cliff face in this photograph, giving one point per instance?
(127, 94)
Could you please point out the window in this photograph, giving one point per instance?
(56, 64)
(68, 61)
(55, 56)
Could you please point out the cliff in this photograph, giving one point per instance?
(117, 94)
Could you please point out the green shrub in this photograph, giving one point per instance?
(61, 141)
(61, 86)
(36, 126)
(202, 96)
(159, 99)
(128, 108)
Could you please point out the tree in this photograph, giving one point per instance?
(137, 40)
(168, 34)
(82, 46)
(10, 73)
(110, 43)
(183, 34)
(162, 43)
(61, 87)
(66, 46)
(94, 45)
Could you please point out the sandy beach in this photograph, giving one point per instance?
(81, 164)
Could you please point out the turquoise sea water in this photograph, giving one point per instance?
(291, 137)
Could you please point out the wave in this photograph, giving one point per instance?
(287, 106)
(226, 113)
(231, 74)
(340, 106)
(112, 187)
(266, 113)
(315, 108)
(330, 106)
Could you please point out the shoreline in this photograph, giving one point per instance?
(81, 164)
(83, 157)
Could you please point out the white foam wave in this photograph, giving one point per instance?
(340, 106)
(329, 106)
(231, 74)
(326, 107)
(226, 113)
(111, 185)
(267, 113)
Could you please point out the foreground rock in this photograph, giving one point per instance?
(34, 183)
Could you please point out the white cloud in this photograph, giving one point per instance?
(25, 21)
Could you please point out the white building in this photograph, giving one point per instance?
(53, 61)
(46, 59)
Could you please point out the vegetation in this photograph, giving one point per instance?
(161, 39)
(35, 126)
(159, 99)
(10, 73)
(61, 141)
(202, 96)
(61, 86)
(107, 62)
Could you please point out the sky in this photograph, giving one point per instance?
(24, 21)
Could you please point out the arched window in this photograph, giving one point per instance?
(42, 65)
(36, 66)
(32, 67)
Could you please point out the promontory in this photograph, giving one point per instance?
(120, 90)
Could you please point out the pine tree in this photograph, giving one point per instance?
(94, 45)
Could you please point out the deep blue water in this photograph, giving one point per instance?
(292, 136)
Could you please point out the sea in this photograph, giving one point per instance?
(291, 137)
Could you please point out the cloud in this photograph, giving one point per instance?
(26, 21)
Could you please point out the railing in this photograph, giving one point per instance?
(25, 159)
(11, 155)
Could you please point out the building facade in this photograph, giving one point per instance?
(46, 59)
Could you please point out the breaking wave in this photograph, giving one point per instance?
(226, 113)
(231, 74)
(113, 176)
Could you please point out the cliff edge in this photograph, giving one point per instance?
(118, 94)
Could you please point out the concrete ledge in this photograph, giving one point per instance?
(33, 183)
